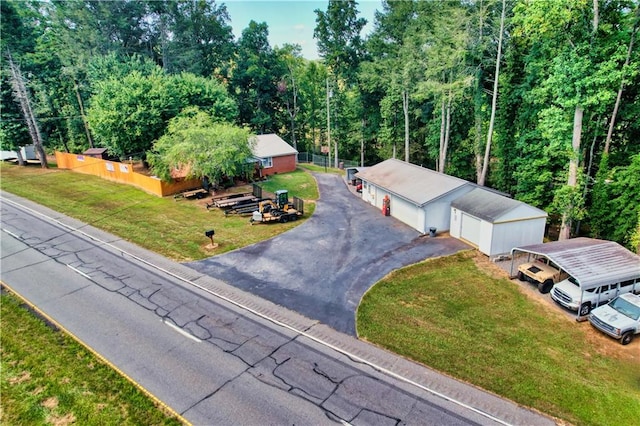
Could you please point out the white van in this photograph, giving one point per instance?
(569, 294)
(619, 319)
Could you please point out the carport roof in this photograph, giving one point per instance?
(489, 206)
(592, 262)
(414, 183)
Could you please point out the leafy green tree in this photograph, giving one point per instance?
(635, 237)
(340, 45)
(196, 143)
(312, 97)
(205, 93)
(616, 204)
(289, 87)
(128, 113)
(90, 27)
(391, 78)
(195, 36)
(338, 34)
(255, 79)
(439, 49)
(576, 42)
(16, 45)
(17, 38)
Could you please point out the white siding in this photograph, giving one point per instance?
(494, 239)
(487, 231)
(507, 235)
(470, 229)
(438, 212)
(456, 222)
(404, 211)
(369, 193)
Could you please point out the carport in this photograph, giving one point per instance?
(591, 262)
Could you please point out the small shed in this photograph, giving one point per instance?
(591, 262)
(28, 152)
(419, 197)
(100, 153)
(275, 154)
(351, 173)
(494, 223)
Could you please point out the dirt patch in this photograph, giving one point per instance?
(23, 377)
(67, 419)
(50, 403)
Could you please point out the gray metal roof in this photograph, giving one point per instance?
(414, 183)
(489, 206)
(592, 262)
(272, 145)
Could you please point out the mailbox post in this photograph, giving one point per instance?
(210, 234)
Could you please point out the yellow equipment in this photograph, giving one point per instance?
(280, 210)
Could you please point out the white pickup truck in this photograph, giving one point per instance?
(620, 318)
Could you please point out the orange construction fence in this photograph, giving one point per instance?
(122, 173)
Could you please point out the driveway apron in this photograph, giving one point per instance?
(323, 267)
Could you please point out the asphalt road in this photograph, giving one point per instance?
(215, 354)
(323, 267)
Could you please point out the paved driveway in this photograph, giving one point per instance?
(322, 268)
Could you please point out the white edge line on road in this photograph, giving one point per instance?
(274, 321)
(79, 272)
(181, 331)
(12, 234)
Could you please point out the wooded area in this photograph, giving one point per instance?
(538, 99)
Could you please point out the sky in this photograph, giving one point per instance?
(290, 21)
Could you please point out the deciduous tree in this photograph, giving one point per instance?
(195, 143)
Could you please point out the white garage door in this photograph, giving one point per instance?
(404, 211)
(470, 229)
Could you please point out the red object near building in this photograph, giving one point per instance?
(386, 206)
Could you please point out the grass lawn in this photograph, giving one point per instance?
(49, 379)
(172, 228)
(448, 314)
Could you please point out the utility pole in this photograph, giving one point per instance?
(328, 123)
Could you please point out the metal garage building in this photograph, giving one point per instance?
(494, 223)
(419, 197)
(591, 262)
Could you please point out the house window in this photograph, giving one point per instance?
(267, 162)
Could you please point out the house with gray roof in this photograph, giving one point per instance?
(274, 154)
(419, 197)
(494, 223)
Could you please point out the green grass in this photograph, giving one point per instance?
(320, 169)
(47, 378)
(172, 228)
(299, 184)
(449, 315)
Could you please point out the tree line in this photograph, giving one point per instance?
(538, 99)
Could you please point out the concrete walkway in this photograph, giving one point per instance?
(323, 267)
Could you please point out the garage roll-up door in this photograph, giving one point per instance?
(470, 229)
